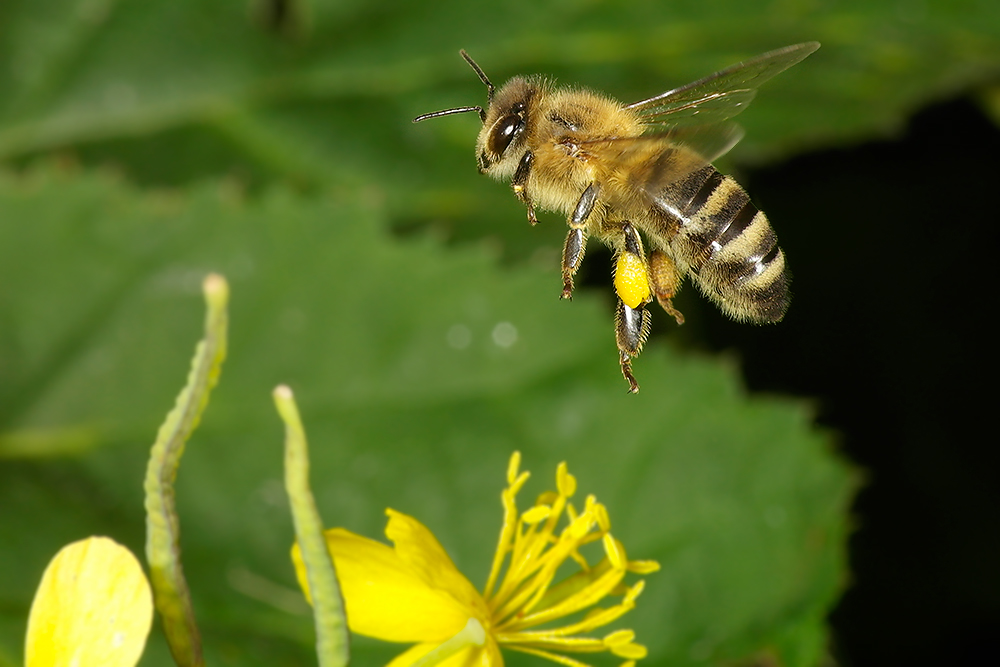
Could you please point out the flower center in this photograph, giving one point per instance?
(472, 634)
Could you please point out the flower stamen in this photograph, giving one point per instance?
(554, 657)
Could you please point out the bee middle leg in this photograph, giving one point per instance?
(576, 239)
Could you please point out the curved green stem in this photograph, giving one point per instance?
(332, 638)
(173, 599)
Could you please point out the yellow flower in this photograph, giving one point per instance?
(414, 593)
(92, 607)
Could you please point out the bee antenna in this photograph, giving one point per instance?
(490, 89)
(482, 75)
(448, 112)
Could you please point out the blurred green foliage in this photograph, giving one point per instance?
(144, 144)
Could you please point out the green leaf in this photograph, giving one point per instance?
(106, 69)
(174, 92)
(418, 371)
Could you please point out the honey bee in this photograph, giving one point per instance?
(626, 173)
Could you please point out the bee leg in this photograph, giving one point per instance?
(573, 249)
(632, 278)
(519, 183)
(576, 239)
(631, 331)
(666, 280)
(632, 275)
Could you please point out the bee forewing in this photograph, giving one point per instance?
(710, 107)
(701, 145)
(722, 95)
(710, 142)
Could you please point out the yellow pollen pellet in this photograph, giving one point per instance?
(631, 280)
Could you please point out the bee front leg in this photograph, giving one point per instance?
(666, 280)
(576, 239)
(631, 331)
(519, 183)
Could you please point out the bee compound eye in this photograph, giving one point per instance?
(504, 132)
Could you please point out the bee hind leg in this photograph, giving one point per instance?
(632, 284)
(576, 239)
(666, 281)
(631, 331)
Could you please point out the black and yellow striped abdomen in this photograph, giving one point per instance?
(715, 233)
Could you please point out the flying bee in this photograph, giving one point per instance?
(639, 177)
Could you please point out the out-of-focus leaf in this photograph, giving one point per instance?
(322, 93)
(418, 371)
(102, 69)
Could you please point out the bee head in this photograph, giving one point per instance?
(501, 141)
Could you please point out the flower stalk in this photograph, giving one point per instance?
(171, 594)
(332, 639)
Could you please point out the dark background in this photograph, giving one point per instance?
(892, 248)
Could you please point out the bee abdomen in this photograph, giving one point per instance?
(730, 248)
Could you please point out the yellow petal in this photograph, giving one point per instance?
(474, 656)
(384, 597)
(411, 655)
(418, 547)
(93, 607)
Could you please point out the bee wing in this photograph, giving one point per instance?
(722, 95)
(702, 145)
(710, 142)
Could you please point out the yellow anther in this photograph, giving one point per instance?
(619, 638)
(536, 514)
(632, 280)
(643, 566)
(515, 486)
(547, 498)
(601, 514)
(634, 591)
(565, 482)
(513, 467)
(615, 551)
(630, 651)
